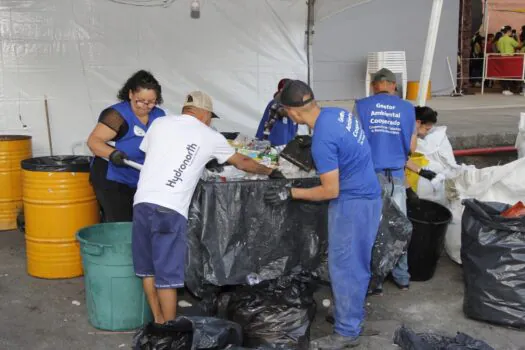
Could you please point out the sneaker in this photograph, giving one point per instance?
(365, 331)
(477, 85)
(507, 93)
(375, 291)
(335, 342)
(403, 287)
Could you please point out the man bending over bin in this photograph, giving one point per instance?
(177, 150)
(343, 159)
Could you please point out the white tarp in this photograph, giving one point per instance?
(78, 53)
(326, 9)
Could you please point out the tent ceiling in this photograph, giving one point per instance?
(79, 53)
(163, 3)
(324, 9)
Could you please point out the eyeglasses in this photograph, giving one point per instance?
(149, 104)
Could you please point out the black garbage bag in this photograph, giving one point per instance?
(299, 152)
(407, 339)
(276, 314)
(493, 256)
(392, 241)
(234, 234)
(393, 238)
(188, 333)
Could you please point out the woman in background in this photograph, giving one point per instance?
(116, 137)
(495, 42)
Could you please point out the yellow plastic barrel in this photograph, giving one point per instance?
(13, 149)
(413, 89)
(58, 201)
(412, 177)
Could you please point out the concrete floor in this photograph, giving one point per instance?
(433, 306)
(39, 314)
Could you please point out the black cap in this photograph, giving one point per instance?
(295, 93)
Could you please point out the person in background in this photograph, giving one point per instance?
(507, 46)
(476, 63)
(389, 123)
(275, 126)
(343, 159)
(489, 48)
(490, 43)
(426, 118)
(497, 37)
(177, 149)
(116, 137)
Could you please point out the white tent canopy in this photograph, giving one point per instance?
(78, 53)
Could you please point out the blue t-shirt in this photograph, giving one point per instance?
(338, 142)
(282, 132)
(389, 123)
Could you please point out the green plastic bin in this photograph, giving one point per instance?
(114, 296)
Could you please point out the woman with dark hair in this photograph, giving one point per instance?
(426, 118)
(498, 36)
(116, 137)
(275, 126)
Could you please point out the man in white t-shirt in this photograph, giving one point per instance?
(177, 150)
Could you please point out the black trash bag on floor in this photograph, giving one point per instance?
(276, 314)
(493, 256)
(188, 333)
(407, 339)
(233, 234)
(393, 238)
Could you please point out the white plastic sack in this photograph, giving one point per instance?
(501, 183)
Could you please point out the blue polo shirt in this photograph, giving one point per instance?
(338, 142)
(389, 123)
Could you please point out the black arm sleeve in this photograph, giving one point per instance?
(115, 121)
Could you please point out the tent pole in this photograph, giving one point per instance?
(430, 47)
(485, 57)
(309, 41)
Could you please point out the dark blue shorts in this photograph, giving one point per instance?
(159, 244)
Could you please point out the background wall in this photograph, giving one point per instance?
(343, 40)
